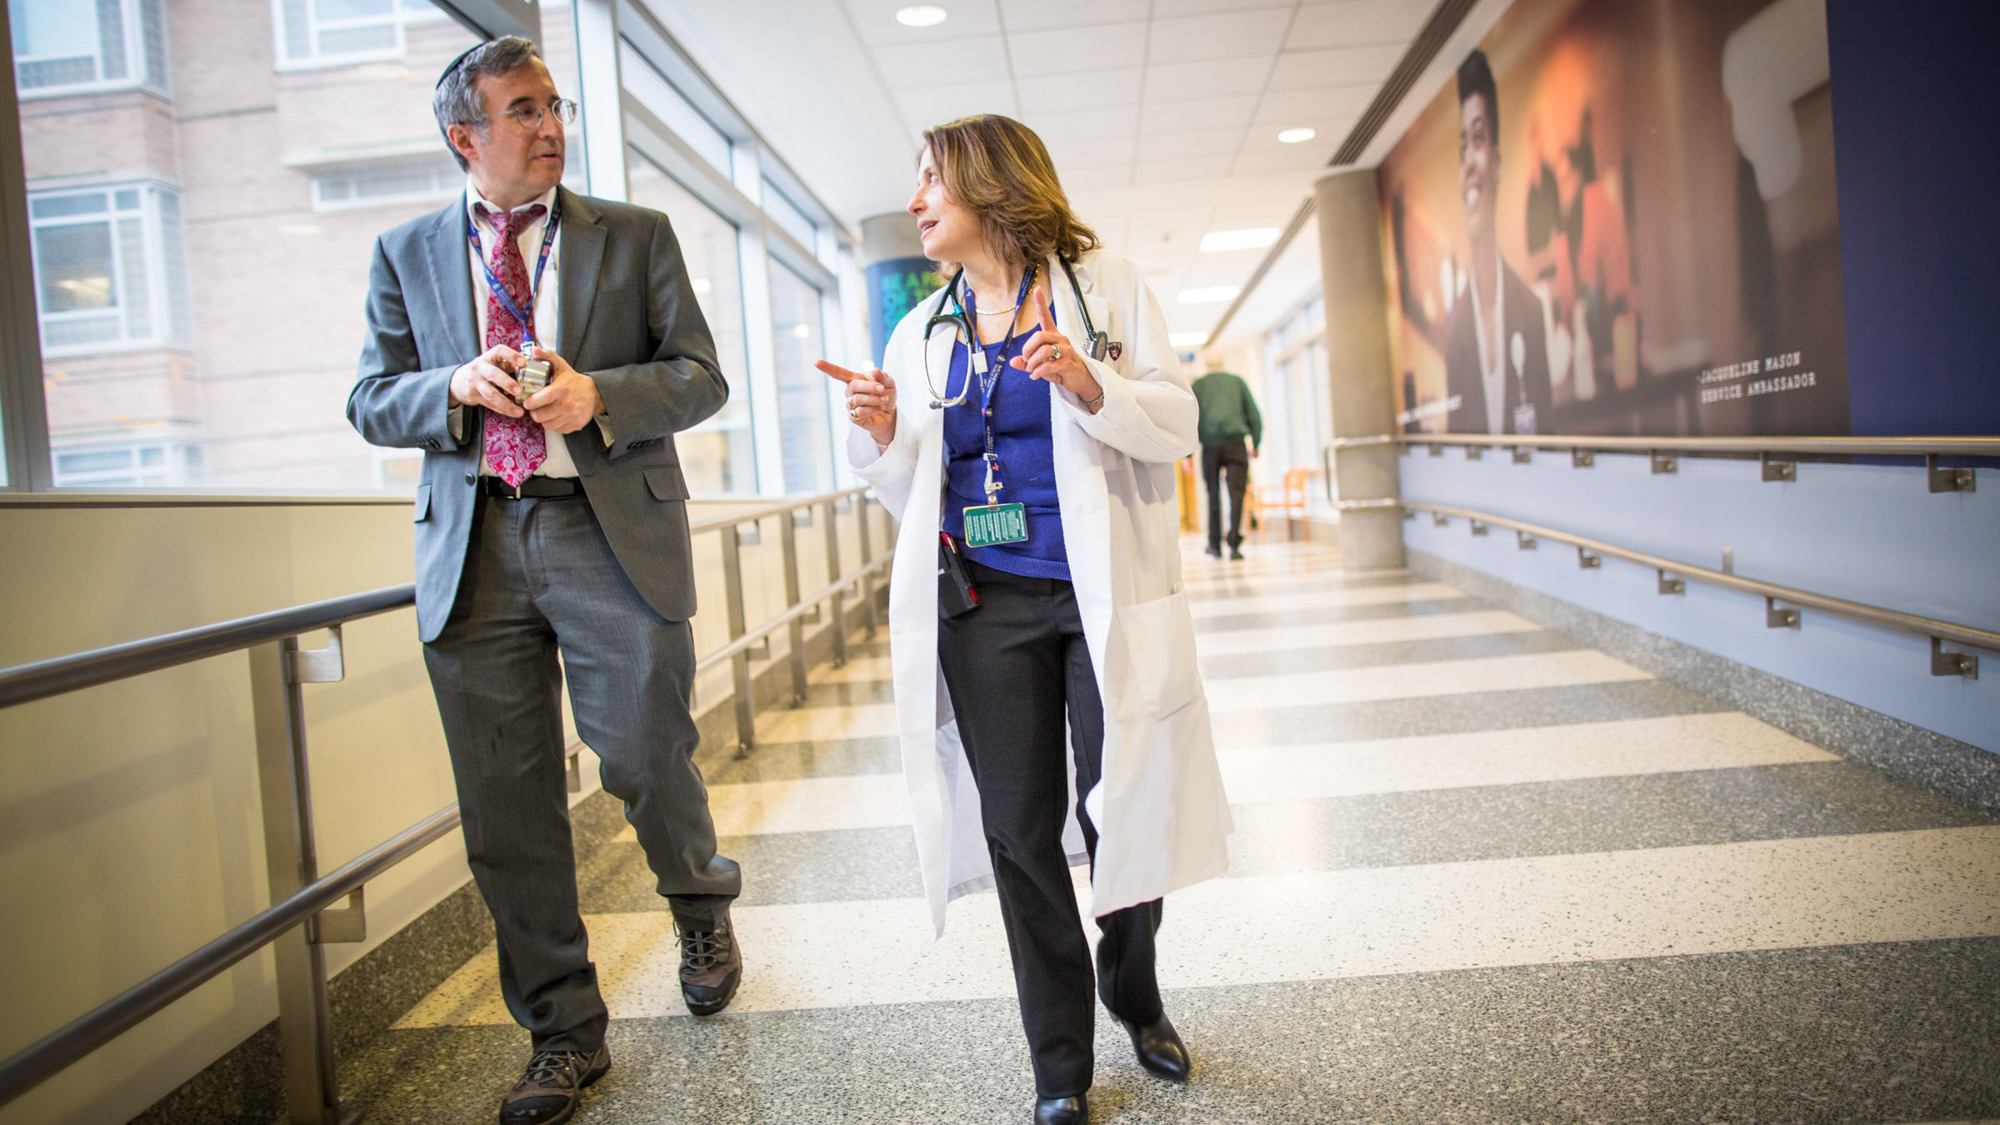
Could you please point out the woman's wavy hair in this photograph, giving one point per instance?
(999, 169)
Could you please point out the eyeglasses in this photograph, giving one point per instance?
(528, 118)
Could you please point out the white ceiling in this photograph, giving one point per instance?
(1162, 115)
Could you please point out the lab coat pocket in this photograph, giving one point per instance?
(421, 510)
(1159, 640)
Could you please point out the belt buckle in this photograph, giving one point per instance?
(517, 490)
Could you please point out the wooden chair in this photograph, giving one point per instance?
(1287, 499)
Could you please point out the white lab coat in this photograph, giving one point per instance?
(1159, 807)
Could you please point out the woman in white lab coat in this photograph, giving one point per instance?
(1024, 430)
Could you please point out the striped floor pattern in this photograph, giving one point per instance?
(1481, 874)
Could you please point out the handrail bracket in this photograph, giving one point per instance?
(1952, 663)
(317, 665)
(1947, 480)
(340, 925)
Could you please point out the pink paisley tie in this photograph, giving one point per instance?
(515, 447)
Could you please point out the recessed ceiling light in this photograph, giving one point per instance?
(1253, 239)
(1291, 136)
(1213, 294)
(921, 15)
(1187, 339)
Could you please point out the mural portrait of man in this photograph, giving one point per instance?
(1496, 348)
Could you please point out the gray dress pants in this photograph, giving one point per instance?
(541, 579)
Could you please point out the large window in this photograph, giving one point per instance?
(797, 322)
(201, 312)
(110, 270)
(673, 108)
(788, 216)
(73, 46)
(202, 225)
(718, 455)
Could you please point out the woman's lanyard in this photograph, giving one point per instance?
(975, 364)
(525, 320)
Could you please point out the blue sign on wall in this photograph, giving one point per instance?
(895, 286)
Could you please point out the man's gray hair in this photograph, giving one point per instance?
(457, 100)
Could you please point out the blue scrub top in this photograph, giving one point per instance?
(1027, 464)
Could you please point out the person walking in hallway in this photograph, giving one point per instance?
(542, 348)
(1037, 571)
(1232, 431)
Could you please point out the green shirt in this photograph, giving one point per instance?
(1227, 410)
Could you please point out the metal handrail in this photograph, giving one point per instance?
(25, 683)
(128, 1009)
(1879, 446)
(812, 601)
(1669, 569)
(298, 921)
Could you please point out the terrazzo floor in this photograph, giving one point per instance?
(1480, 874)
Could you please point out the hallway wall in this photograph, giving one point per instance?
(1868, 533)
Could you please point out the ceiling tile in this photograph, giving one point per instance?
(1087, 179)
(1174, 82)
(1170, 171)
(1338, 66)
(937, 104)
(1328, 132)
(1080, 155)
(1233, 35)
(1347, 23)
(1175, 146)
(1204, 113)
(915, 66)
(875, 21)
(1309, 107)
(1091, 88)
(1086, 126)
(1310, 157)
(1111, 47)
(1166, 9)
(1048, 15)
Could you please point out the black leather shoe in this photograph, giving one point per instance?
(1212, 551)
(1061, 1111)
(1159, 1048)
(1235, 554)
(548, 1091)
(711, 967)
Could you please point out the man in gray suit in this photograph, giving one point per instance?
(551, 521)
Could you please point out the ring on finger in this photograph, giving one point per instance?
(1055, 353)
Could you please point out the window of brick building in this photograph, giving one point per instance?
(320, 32)
(110, 269)
(66, 46)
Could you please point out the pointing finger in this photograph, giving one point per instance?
(840, 373)
(1042, 305)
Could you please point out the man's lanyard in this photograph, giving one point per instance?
(526, 321)
(989, 380)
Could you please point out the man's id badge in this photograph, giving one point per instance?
(991, 526)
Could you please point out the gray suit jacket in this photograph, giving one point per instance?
(629, 321)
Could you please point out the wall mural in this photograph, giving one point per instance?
(1620, 218)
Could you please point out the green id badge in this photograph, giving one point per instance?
(992, 526)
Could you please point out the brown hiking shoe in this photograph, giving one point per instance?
(548, 1090)
(711, 967)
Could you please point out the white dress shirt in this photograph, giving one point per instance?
(547, 315)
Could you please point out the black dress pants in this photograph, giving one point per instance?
(1015, 668)
(1231, 460)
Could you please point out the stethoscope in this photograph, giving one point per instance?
(961, 322)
